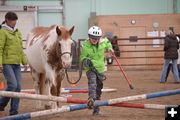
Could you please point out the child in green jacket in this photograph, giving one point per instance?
(92, 57)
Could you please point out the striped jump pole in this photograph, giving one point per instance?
(45, 112)
(65, 91)
(125, 104)
(138, 97)
(84, 106)
(118, 101)
(105, 88)
(69, 108)
(76, 90)
(33, 96)
(143, 106)
(109, 102)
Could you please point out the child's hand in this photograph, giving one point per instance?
(87, 63)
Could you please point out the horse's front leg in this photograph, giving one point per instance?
(36, 84)
(49, 90)
(59, 79)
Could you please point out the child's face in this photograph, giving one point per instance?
(94, 41)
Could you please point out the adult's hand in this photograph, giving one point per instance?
(25, 67)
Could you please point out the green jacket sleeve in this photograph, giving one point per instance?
(2, 44)
(23, 56)
(108, 44)
(83, 53)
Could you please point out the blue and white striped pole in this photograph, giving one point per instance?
(138, 97)
(55, 111)
(97, 103)
(45, 112)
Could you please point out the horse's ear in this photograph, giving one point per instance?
(58, 31)
(71, 30)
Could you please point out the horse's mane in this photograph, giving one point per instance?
(42, 31)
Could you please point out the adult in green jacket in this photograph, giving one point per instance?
(93, 59)
(11, 56)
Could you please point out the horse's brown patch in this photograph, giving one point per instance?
(41, 32)
(56, 89)
(54, 56)
(59, 79)
(44, 47)
(45, 38)
(32, 41)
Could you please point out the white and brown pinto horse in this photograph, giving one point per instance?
(49, 53)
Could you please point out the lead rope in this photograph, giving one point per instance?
(80, 69)
(80, 75)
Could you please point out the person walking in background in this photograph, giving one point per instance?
(115, 46)
(178, 61)
(170, 67)
(92, 57)
(11, 56)
(171, 47)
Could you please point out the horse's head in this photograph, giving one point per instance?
(65, 44)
